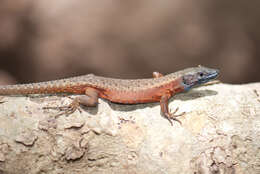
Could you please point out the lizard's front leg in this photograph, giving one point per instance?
(157, 75)
(89, 99)
(165, 110)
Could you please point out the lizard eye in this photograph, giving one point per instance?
(201, 74)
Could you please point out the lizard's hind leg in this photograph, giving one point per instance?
(89, 99)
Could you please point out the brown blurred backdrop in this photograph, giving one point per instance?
(45, 40)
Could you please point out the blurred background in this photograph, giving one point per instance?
(46, 40)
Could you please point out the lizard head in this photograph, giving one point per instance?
(198, 75)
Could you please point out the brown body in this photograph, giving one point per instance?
(157, 89)
(141, 96)
(115, 90)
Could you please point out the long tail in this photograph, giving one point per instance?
(49, 87)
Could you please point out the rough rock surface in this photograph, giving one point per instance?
(220, 133)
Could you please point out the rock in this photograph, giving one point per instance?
(220, 133)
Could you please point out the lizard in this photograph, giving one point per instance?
(160, 88)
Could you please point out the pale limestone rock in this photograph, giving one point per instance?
(220, 133)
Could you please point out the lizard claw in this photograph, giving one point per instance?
(176, 115)
(67, 110)
(172, 116)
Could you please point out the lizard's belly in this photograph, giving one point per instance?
(128, 97)
(143, 95)
(139, 96)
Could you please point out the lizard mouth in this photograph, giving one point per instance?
(211, 76)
